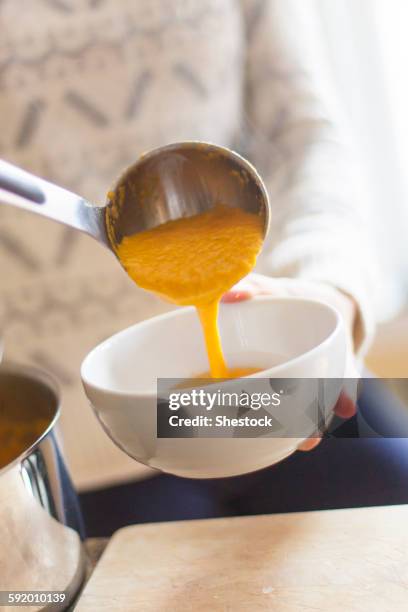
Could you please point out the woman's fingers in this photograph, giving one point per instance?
(244, 290)
(249, 287)
(345, 407)
(309, 444)
(237, 295)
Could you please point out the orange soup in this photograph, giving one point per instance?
(17, 435)
(194, 261)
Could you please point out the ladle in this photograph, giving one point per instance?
(173, 181)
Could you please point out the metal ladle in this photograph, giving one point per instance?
(177, 180)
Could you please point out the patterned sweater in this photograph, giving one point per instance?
(85, 87)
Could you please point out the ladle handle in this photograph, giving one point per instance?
(29, 192)
(20, 183)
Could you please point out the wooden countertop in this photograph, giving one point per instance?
(339, 560)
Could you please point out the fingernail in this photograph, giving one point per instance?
(236, 296)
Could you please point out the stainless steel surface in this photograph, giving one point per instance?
(181, 180)
(24, 190)
(177, 180)
(40, 522)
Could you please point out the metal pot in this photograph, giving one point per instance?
(40, 521)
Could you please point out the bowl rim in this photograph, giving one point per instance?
(272, 372)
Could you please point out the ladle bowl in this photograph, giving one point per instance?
(177, 180)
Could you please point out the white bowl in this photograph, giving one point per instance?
(287, 337)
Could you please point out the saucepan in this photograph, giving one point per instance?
(40, 522)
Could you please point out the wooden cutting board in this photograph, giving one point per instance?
(336, 560)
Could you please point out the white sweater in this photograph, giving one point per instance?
(85, 87)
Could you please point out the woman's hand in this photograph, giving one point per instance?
(256, 284)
